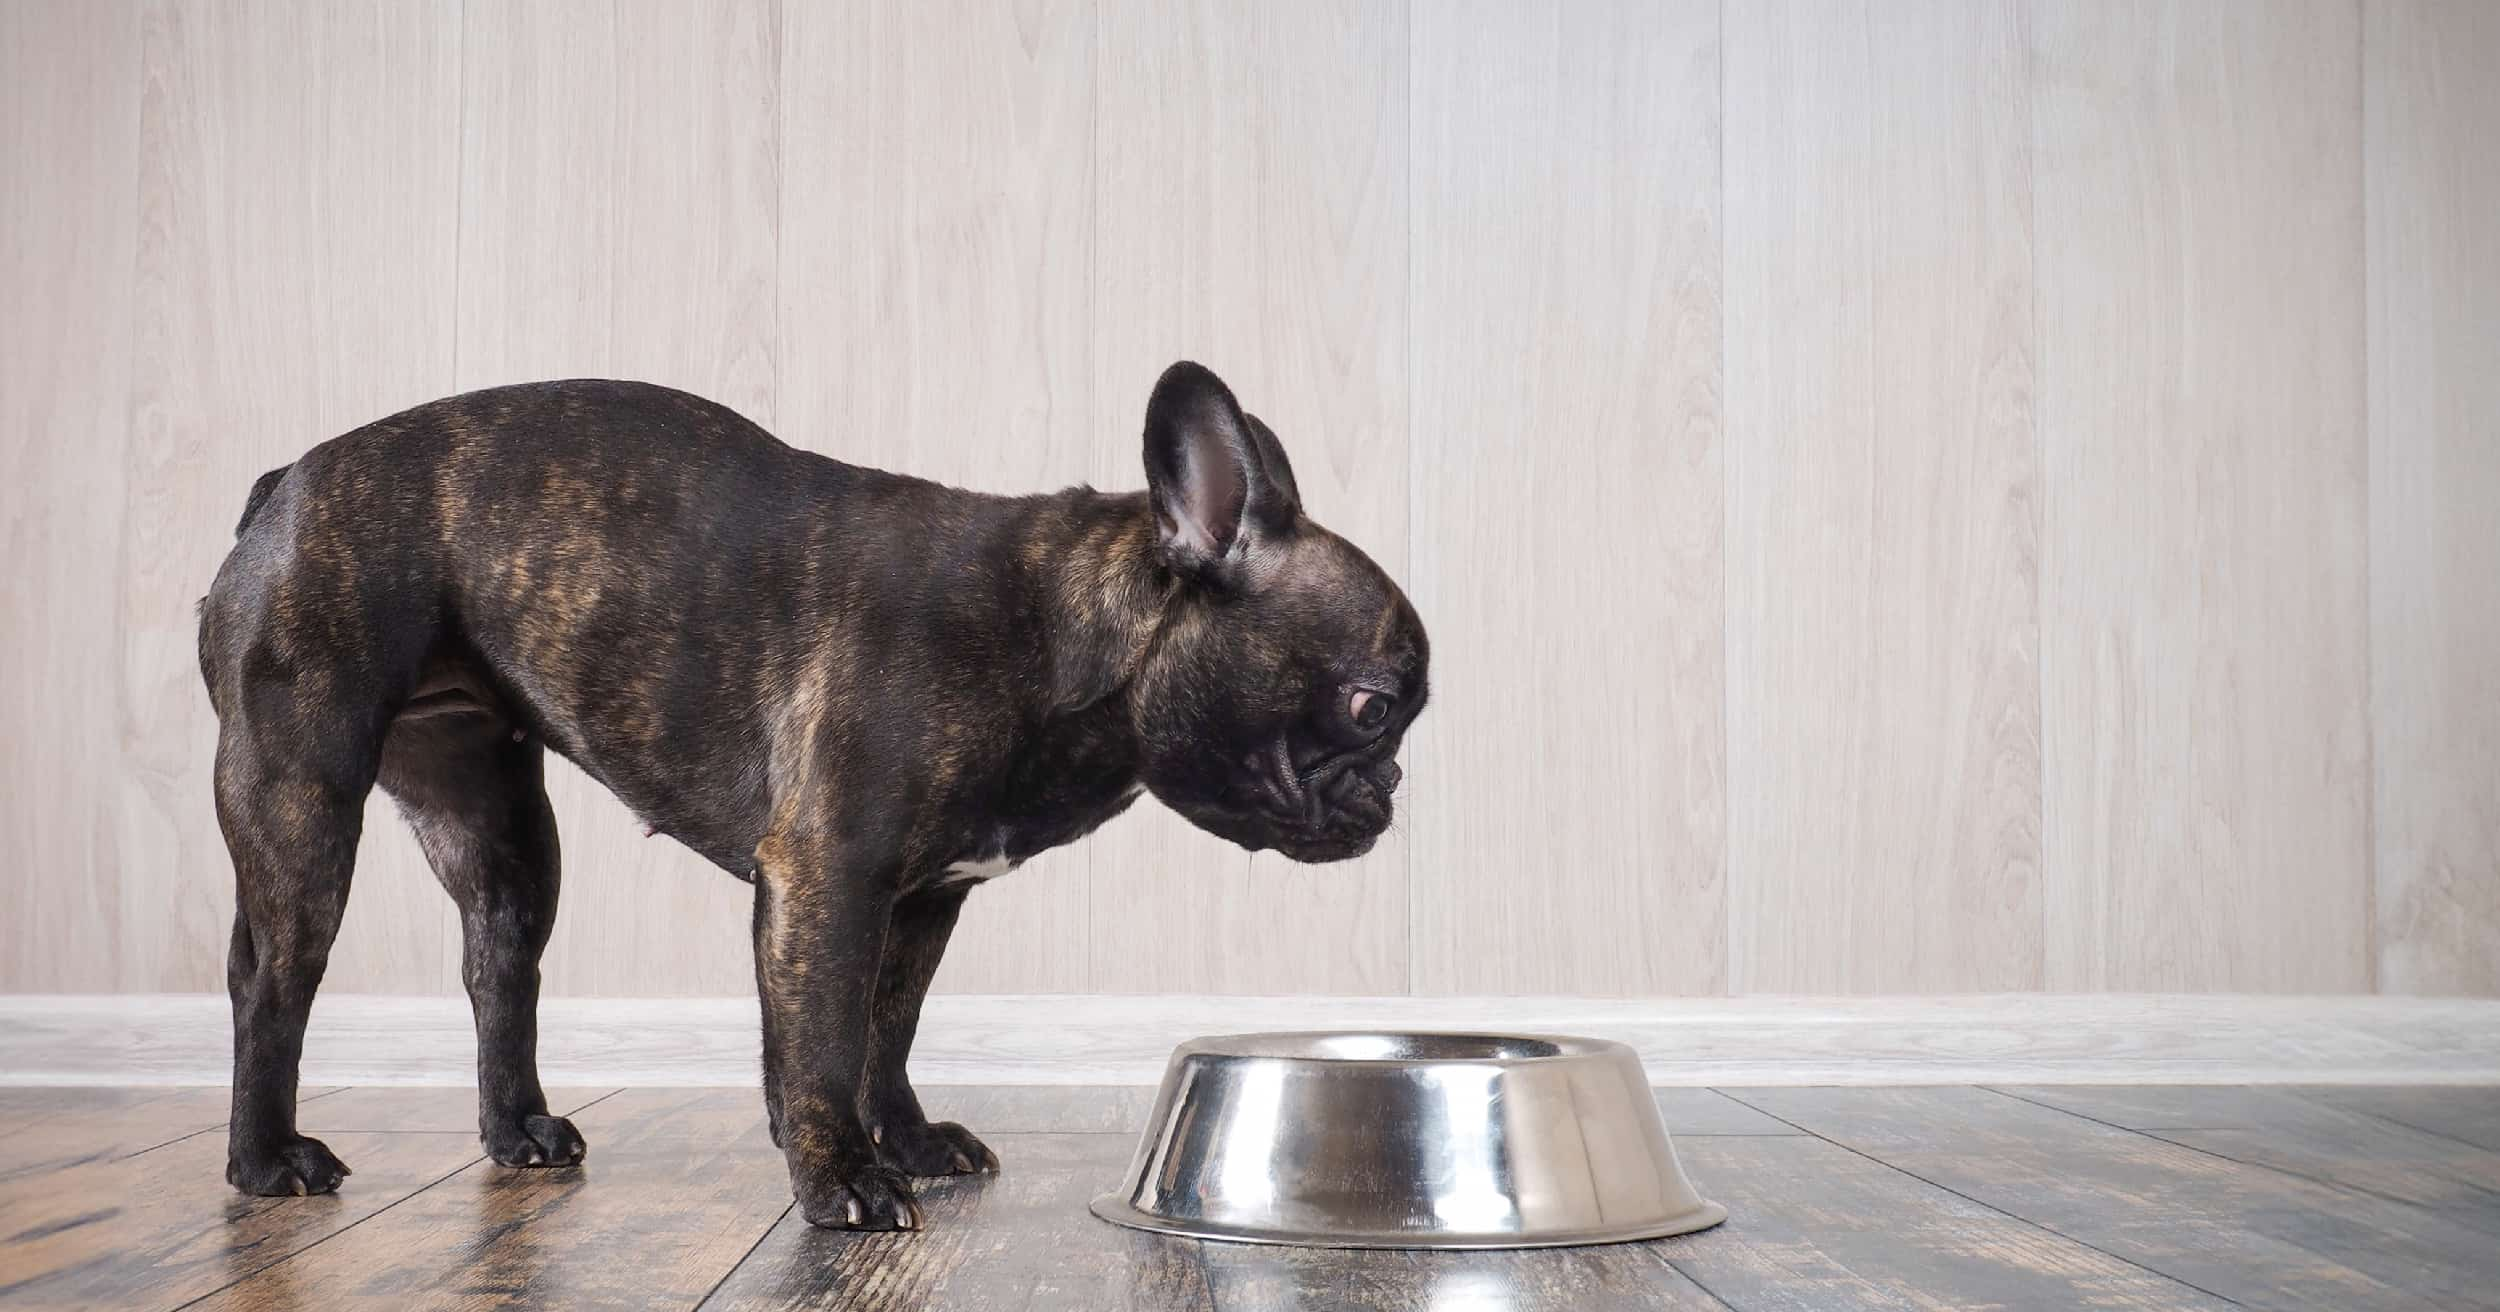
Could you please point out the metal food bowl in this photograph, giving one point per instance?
(1371, 1140)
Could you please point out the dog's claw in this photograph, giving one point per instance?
(933, 1149)
(300, 1169)
(536, 1140)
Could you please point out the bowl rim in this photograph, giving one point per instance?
(1566, 1047)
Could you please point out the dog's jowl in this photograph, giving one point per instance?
(861, 692)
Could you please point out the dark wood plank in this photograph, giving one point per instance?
(678, 1186)
(1600, 1278)
(50, 1129)
(2159, 1106)
(1814, 1225)
(990, 1109)
(2280, 1129)
(162, 1227)
(1708, 1111)
(1019, 1239)
(2467, 1114)
(2244, 1232)
(440, 1109)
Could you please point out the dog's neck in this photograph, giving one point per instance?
(1103, 591)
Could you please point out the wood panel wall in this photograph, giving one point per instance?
(1938, 496)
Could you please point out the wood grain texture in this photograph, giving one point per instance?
(69, 152)
(618, 183)
(1925, 1198)
(1813, 1225)
(679, 1186)
(51, 1129)
(1020, 1239)
(2198, 214)
(1883, 501)
(2255, 1236)
(2434, 280)
(2283, 1131)
(2468, 1115)
(1251, 213)
(297, 208)
(439, 1110)
(1712, 714)
(161, 1228)
(936, 279)
(1598, 1278)
(1567, 805)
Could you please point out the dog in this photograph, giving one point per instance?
(861, 692)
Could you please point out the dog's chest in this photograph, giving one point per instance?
(1003, 845)
(977, 870)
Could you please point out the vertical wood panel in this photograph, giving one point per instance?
(1568, 785)
(2434, 316)
(1468, 263)
(2199, 283)
(69, 152)
(1883, 605)
(298, 166)
(618, 190)
(1251, 203)
(937, 219)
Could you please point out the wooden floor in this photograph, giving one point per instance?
(1960, 1197)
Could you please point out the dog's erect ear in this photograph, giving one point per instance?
(1217, 477)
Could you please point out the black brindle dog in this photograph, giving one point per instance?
(863, 693)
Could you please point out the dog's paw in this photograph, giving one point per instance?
(868, 1198)
(933, 1148)
(298, 1166)
(535, 1141)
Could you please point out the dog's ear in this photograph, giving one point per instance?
(1217, 477)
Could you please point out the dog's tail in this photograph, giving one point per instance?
(261, 488)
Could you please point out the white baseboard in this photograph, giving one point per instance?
(2012, 1038)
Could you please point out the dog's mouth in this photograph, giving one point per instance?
(1330, 809)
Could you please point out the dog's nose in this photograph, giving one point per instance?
(1387, 774)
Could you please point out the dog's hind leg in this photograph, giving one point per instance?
(291, 825)
(477, 799)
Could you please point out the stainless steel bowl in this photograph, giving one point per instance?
(1362, 1140)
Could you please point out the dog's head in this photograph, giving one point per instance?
(1271, 705)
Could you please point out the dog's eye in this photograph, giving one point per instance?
(1369, 709)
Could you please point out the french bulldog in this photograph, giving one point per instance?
(861, 692)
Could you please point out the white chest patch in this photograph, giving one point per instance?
(974, 872)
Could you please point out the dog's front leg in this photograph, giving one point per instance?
(820, 928)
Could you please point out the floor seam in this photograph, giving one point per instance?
(761, 1236)
(2158, 1135)
(180, 1138)
(592, 1103)
(186, 1138)
(2011, 1216)
(2391, 1120)
(291, 1256)
(1707, 1291)
(2087, 1116)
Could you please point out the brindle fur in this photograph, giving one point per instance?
(833, 682)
